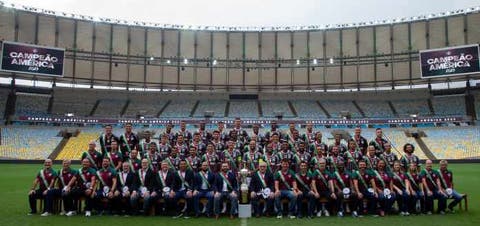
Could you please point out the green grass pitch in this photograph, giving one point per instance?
(16, 179)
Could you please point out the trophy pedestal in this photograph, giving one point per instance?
(244, 210)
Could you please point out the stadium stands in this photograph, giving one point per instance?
(336, 107)
(217, 106)
(178, 109)
(405, 108)
(453, 143)
(270, 107)
(147, 109)
(109, 108)
(308, 109)
(376, 109)
(243, 109)
(32, 104)
(77, 145)
(449, 105)
(25, 142)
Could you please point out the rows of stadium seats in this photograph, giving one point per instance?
(398, 139)
(245, 109)
(28, 142)
(408, 107)
(77, 145)
(109, 108)
(144, 108)
(217, 106)
(32, 104)
(308, 109)
(269, 107)
(451, 105)
(178, 109)
(453, 143)
(376, 109)
(336, 107)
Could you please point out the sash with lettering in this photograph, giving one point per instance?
(230, 158)
(340, 179)
(162, 180)
(302, 182)
(410, 177)
(101, 178)
(226, 181)
(262, 180)
(399, 179)
(430, 178)
(322, 177)
(282, 178)
(44, 180)
(184, 182)
(379, 177)
(361, 179)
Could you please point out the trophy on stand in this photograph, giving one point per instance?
(244, 209)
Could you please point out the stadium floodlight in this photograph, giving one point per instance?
(69, 114)
(331, 61)
(214, 62)
(168, 61)
(315, 61)
(152, 58)
(298, 62)
(185, 61)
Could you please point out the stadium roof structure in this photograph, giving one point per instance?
(103, 52)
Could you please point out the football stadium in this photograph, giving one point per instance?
(112, 121)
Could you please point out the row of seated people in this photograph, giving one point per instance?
(363, 191)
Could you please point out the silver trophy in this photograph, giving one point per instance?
(244, 186)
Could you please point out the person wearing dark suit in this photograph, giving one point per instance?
(128, 189)
(225, 187)
(262, 182)
(183, 188)
(165, 179)
(203, 188)
(147, 187)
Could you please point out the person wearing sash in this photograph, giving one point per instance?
(45, 180)
(417, 198)
(261, 188)
(181, 146)
(275, 141)
(342, 182)
(218, 143)
(183, 186)
(239, 144)
(258, 136)
(145, 143)
(272, 161)
(304, 185)
(286, 153)
(251, 156)
(165, 185)
(301, 155)
(309, 136)
(164, 147)
(384, 187)
(205, 136)
(409, 157)
(128, 190)
(337, 143)
(114, 156)
(288, 135)
(241, 134)
(83, 186)
(186, 135)
(232, 156)
(61, 190)
(203, 188)
(378, 142)
(212, 158)
(223, 133)
(352, 156)
(295, 140)
(171, 136)
(134, 161)
(128, 141)
(147, 188)
(226, 187)
(153, 158)
(360, 141)
(106, 139)
(193, 161)
(365, 187)
(107, 194)
(315, 160)
(401, 186)
(334, 159)
(173, 160)
(273, 130)
(445, 185)
(93, 156)
(323, 187)
(285, 187)
(431, 189)
(389, 157)
(197, 142)
(370, 158)
(318, 144)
